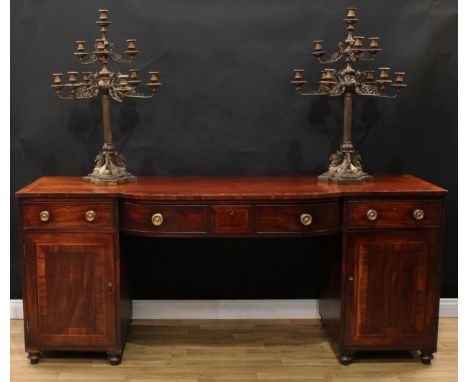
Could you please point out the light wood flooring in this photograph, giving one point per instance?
(233, 350)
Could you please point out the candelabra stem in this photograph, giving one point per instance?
(110, 165)
(106, 121)
(345, 165)
(348, 117)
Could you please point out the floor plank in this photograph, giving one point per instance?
(233, 350)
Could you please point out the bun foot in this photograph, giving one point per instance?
(346, 358)
(114, 359)
(426, 358)
(33, 358)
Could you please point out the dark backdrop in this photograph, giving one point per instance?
(226, 107)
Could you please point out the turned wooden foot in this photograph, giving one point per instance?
(346, 358)
(426, 358)
(33, 358)
(322, 322)
(114, 359)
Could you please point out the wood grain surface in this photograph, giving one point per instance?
(227, 188)
(234, 351)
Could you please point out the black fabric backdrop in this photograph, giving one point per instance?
(226, 107)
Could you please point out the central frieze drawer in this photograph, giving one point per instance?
(157, 218)
(320, 217)
(227, 219)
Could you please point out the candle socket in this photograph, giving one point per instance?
(154, 83)
(57, 78)
(131, 47)
(351, 12)
(123, 80)
(358, 43)
(153, 76)
(80, 46)
(351, 18)
(399, 77)
(318, 45)
(87, 78)
(72, 77)
(58, 84)
(297, 79)
(374, 45)
(134, 80)
(103, 14)
(370, 76)
(103, 21)
(384, 73)
(329, 74)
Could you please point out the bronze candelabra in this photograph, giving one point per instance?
(110, 167)
(345, 165)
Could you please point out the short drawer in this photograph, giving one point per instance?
(157, 218)
(303, 218)
(226, 219)
(394, 213)
(68, 215)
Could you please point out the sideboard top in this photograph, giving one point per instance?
(226, 188)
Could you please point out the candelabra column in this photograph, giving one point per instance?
(345, 165)
(106, 121)
(110, 165)
(348, 118)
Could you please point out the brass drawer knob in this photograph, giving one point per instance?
(372, 215)
(90, 216)
(44, 216)
(418, 214)
(306, 219)
(157, 219)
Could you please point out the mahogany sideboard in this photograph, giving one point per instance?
(381, 276)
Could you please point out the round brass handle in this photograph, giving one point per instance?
(372, 215)
(90, 216)
(418, 214)
(44, 216)
(157, 219)
(306, 219)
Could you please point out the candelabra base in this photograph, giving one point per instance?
(345, 167)
(110, 169)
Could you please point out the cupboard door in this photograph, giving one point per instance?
(70, 289)
(392, 294)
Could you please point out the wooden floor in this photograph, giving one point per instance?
(233, 350)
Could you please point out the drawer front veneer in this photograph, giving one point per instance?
(231, 219)
(394, 213)
(303, 218)
(68, 215)
(155, 218)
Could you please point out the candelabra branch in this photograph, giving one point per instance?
(89, 59)
(374, 90)
(334, 57)
(135, 94)
(365, 56)
(115, 95)
(324, 90)
(117, 57)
